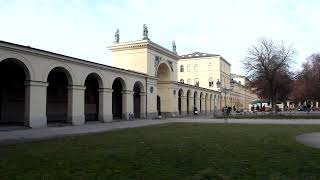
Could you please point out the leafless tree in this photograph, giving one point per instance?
(268, 69)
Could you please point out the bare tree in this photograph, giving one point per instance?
(268, 68)
(307, 81)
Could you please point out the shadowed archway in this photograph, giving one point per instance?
(13, 74)
(91, 108)
(57, 95)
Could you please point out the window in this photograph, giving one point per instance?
(189, 68)
(189, 81)
(211, 82)
(181, 68)
(210, 67)
(196, 82)
(181, 80)
(196, 68)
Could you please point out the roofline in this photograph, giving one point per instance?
(143, 44)
(37, 51)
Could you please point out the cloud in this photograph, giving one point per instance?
(85, 28)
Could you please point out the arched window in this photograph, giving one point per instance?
(189, 81)
(196, 68)
(196, 82)
(211, 82)
(189, 68)
(210, 67)
(181, 68)
(181, 80)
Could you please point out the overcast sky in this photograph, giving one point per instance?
(85, 28)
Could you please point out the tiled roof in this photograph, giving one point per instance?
(197, 55)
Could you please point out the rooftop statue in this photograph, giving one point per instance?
(145, 32)
(117, 36)
(174, 47)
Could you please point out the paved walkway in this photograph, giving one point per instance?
(310, 139)
(24, 135)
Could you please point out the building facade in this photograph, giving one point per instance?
(205, 70)
(40, 87)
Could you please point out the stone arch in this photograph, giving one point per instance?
(58, 96)
(63, 67)
(93, 83)
(164, 72)
(138, 101)
(201, 96)
(180, 94)
(188, 101)
(195, 96)
(206, 103)
(98, 76)
(210, 100)
(29, 71)
(118, 86)
(13, 96)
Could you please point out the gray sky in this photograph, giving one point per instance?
(85, 28)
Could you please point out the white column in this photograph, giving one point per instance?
(127, 104)
(143, 105)
(35, 104)
(76, 104)
(105, 105)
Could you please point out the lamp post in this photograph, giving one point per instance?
(225, 89)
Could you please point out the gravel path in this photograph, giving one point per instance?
(25, 135)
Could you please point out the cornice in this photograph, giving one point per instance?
(143, 44)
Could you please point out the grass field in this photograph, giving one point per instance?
(169, 151)
(270, 116)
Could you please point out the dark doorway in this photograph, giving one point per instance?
(159, 105)
(179, 101)
(91, 107)
(12, 92)
(194, 99)
(57, 96)
(201, 103)
(136, 100)
(117, 99)
(188, 96)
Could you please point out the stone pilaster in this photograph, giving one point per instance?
(105, 105)
(127, 103)
(35, 104)
(143, 104)
(76, 104)
(183, 105)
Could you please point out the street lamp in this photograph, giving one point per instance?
(225, 89)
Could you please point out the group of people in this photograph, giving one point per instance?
(227, 110)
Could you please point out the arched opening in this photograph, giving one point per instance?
(159, 105)
(206, 103)
(91, 107)
(188, 102)
(57, 95)
(165, 95)
(13, 74)
(201, 96)
(117, 87)
(210, 101)
(195, 99)
(163, 72)
(137, 101)
(179, 101)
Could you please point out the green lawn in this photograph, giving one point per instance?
(270, 116)
(169, 151)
